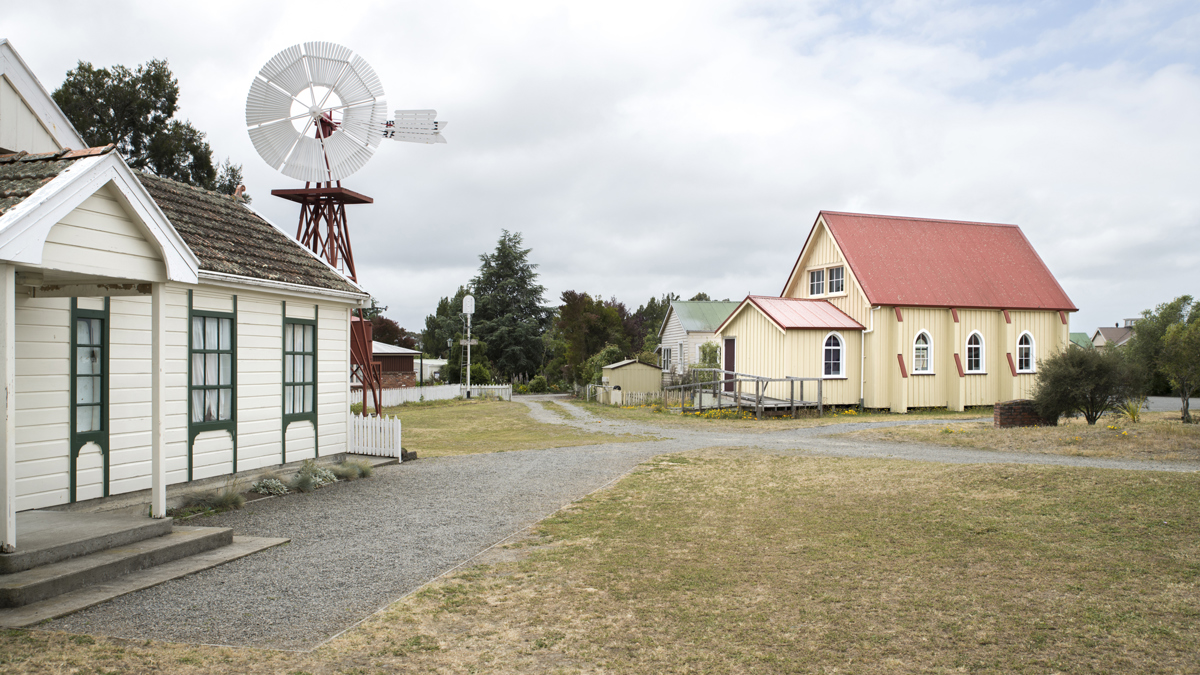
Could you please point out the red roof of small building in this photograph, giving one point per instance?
(789, 313)
(921, 262)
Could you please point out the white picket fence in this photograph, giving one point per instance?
(400, 395)
(377, 436)
(498, 391)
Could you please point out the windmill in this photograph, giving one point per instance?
(315, 112)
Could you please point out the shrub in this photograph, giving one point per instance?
(352, 469)
(1088, 381)
(538, 385)
(269, 486)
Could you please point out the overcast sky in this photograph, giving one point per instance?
(648, 147)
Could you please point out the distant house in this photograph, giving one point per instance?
(686, 326)
(1082, 340)
(157, 333)
(632, 375)
(399, 367)
(898, 312)
(1116, 336)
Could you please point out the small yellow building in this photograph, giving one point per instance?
(632, 375)
(948, 314)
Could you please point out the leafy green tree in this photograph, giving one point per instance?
(229, 177)
(445, 324)
(389, 332)
(134, 110)
(701, 296)
(592, 370)
(649, 318)
(1146, 345)
(586, 326)
(1180, 361)
(509, 311)
(1086, 381)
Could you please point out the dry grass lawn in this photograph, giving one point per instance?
(808, 418)
(443, 428)
(728, 561)
(1158, 436)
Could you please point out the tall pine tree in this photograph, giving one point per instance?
(510, 316)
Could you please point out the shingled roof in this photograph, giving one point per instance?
(22, 174)
(225, 235)
(229, 238)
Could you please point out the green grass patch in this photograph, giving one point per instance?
(731, 419)
(470, 427)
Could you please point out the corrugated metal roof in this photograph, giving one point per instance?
(702, 316)
(384, 348)
(919, 262)
(801, 313)
(627, 362)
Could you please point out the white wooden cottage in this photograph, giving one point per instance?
(687, 326)
(151, 333)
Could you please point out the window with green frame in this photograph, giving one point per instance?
(212, 378)
(89, 375)
(299, 369)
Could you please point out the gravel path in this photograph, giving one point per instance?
(357, 547)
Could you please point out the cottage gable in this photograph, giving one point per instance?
(30, 121)
(100, 236)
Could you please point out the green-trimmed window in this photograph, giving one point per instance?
(212, 367)
(88, 415)
(299, 368)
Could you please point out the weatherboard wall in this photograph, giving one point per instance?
(43, 328)
(20, 128)
(823, 253)
(764, 349)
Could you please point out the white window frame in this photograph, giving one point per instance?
(816, 286)
(1032, 347)
(829, 280)
(928, 353)
(982, 369)
(666, 358)
(841, 374)
(825, 284)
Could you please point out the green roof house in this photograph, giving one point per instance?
(687, 326)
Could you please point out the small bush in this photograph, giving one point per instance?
(1088, 381)
(303, 482)
(229, 499)
(345, 472)
(269, 486)
(538, 385)
(1132, 407)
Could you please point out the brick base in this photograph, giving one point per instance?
(404, 379)
(1019, 413)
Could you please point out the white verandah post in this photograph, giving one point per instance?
(8, 381)
(158, 396)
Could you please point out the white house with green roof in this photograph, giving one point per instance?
(687, 325)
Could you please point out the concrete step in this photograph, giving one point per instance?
(46, 581)
(74, 601)
(48, 537)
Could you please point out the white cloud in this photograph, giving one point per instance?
(651, 147)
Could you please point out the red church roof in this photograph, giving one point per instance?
(798, 313)
(920, 262)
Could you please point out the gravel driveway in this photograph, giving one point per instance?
(359, 546)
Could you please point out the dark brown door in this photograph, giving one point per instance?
(729, 362)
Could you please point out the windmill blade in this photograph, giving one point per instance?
(274, 141)
(266, 103)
